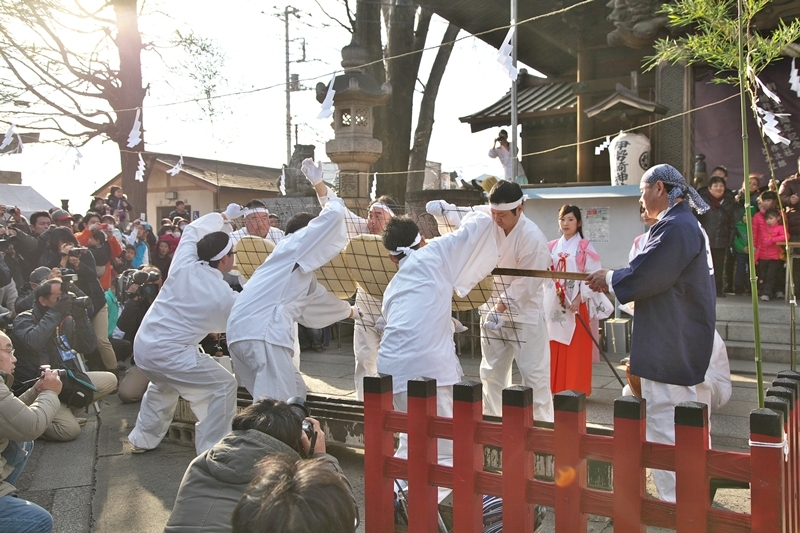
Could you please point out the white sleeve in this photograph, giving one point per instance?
(323, 238)
(522, 289)
(469, 253)
(323, 310)
(492, 153)
(355, 224)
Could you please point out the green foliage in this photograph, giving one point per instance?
(713, 37)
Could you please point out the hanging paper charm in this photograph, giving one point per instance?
(140, 171)
(605, 144)
(504, 54)
(177, 168)
(135, 136)
(327, 104)
(794, 79)
(8, 137)
(282, 182)
(373, 192)
(768, 122)
(78, 157)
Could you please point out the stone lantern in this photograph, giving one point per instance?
(353, 147)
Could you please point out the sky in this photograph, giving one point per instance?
(251, 128)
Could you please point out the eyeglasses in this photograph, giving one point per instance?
(9, 350)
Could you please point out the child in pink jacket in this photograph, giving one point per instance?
(768, 254)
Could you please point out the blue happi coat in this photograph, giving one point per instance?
(672, 283)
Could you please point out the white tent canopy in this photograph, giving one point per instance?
(23, 196)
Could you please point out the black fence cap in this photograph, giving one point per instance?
(782, 392)
(570, 400)
(693, 414)
(518, 396)
(766, 422)
(468, 391)
(422, 387)
(630, 407)
(378, 383)
(776, 403)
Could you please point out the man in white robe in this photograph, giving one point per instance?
(256, 223)
(194, 301)
(366, 338)
(282, 291)
(417, 307)
(514, 326)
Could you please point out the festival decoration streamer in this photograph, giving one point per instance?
(135, 136)
(177, 168)
(327, 104)
(140, 171)
(504, 54)
(8, 137)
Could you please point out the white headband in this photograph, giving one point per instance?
(382, 206)
(252, 210)
(407, 249)
(224, 251)
(509, 206)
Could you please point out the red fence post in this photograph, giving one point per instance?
(378, 446)
(570, 467)
(781, 405)
(423, 498)
(767, 482)
(794, 442)
(467, 457)
(787, 389)
(630, 432)
(691, 480)
(518, 515)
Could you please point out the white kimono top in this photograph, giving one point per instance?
(525, 247)
(418, 339)
(368, 305)
(274, 234)
(193, 302)
(511, 167)
(284, 289)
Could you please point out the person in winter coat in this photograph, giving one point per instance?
(770, 273)
(118, 205)
(720, 225)
(22, 420)
(217, 479)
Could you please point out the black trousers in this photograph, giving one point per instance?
(718, 258)
(770, 277)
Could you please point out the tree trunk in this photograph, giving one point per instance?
(127, 98)
(401, 73)
(422, 136)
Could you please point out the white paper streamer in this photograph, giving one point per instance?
(504, 54)
(282, 182)
(78, 157)
(177, 168)
(768, 122)
(20, 146)
(605, 144)
(8, 137)
(135, 136)
(140, 171)
(794, 79)
(373, 192)
(327, 104)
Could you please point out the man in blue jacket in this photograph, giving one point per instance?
(672, 283)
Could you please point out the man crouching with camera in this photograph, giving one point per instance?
(217, 479)
(21, 421)
(48, 336)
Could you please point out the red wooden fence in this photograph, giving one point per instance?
(773, 475)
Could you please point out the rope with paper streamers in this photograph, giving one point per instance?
(555, 148)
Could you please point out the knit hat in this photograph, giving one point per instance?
(39, 275)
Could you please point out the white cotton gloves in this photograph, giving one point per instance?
(355, 312)
(312, 172)
(233, 211)
(380, 325)
(436, 207)
(459, 327)
(494, 321)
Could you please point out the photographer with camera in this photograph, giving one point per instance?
(138, 289)
(64, 252)
(216, 480)
(48, 335)
(22, 420)
(512, 169)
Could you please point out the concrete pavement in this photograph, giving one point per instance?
(96, 484)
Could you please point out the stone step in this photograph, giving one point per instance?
(770, 352)
(743, 331)
(773, 312)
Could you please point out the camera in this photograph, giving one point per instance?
(144, 279)
(68, 277)
(60, 372)
(77, 251)
(298, 405)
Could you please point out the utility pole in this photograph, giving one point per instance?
(514, 92)
(286, 12)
